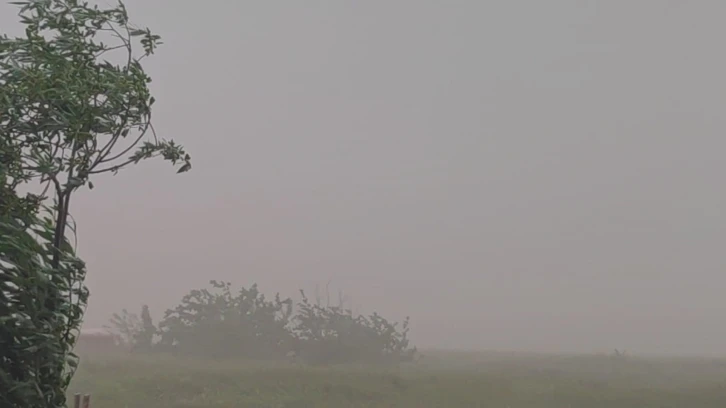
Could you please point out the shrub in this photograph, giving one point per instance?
(332, 334)
(218, 323)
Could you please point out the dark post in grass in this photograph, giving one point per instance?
(84, 403)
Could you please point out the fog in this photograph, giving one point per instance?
(514, 175)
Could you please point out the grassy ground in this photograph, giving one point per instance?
(440, 380)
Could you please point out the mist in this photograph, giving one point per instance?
(526, 176)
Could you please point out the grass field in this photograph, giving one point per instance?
(440, 380)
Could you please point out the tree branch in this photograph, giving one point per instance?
(103, 159)
(113, 168)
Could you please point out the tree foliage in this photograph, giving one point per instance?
(67, 112)
(74, 103)
(144, 339)
(220, 323)
(41, 308)
(125, 326)
(333, 334)
(134, 332)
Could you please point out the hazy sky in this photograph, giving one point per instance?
(528, 175)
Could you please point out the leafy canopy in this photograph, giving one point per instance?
(74, 103)
(67, 110)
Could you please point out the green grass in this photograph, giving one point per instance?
(440, 380)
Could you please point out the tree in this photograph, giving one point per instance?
(145, 338)
(67, 109)
(221, 323)
(68, 113)
(333, 334)
(126, 327)
(135, 333)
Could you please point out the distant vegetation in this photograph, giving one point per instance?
(218, 322)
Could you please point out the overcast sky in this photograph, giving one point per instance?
(520, 175)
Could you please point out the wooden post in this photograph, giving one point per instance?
(77, 401)
(86, 401)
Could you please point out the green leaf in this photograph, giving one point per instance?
(186, 167)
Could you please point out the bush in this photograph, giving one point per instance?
(332, 334)
(218, 323)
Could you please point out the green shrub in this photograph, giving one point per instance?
(219, 323)
(332, 334)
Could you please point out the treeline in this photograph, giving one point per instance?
(218, 322)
